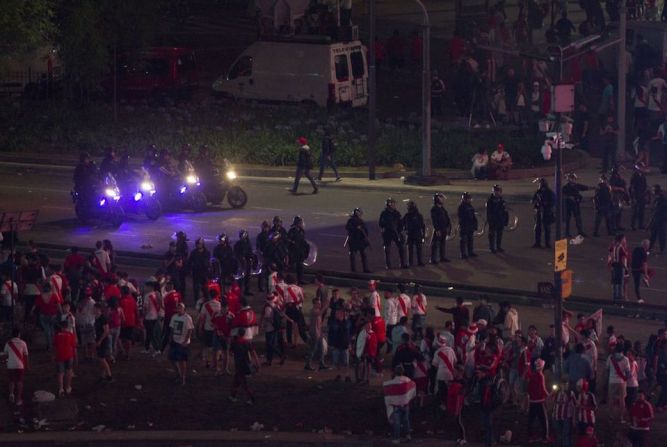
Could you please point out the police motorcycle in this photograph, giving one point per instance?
(181, 190)
(217, 184)
(101, 204)
(139, 195)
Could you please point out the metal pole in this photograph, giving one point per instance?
(426, 94)
(12, 267)
(622, 81)
(372, 91)
(558, 302)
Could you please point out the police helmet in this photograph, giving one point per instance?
(298, 220)
(277, 220)
(222, 237)
(497, 187)
(243, 234)
(357, 212)
(603, 178)
(411, 205)
(266, 224)
(390, 200)
(571, 177)
(83, 156)
(438, 197)
(466, 195)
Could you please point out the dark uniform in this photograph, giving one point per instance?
(245, 259)
(572, 197)
(659, 218)
(543, 203)
(224, 254)
(357, 240)
(638, 195)
(619, 196)
(442, 226)
(413, 223)
(497, 218)
(109, 164)
(303, 166)
(297, 247)
(86, 177)
(391, 227)
(276, 251)
(602, 203)
(199, 263)
(262, 243)
(467, 226)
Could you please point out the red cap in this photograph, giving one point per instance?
(302, 141)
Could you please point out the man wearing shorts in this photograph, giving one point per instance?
(618, 367)
(102, 343)
(64, 343)
(205, 325)
(181, 327)
(16, 352)
(128, 324)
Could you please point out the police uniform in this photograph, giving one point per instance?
(413, 222)
(297, 247)
(467, 226)
(638, 195)
(602, 203)
(391, 227)
(224, 254)
(442, 226)
(543, 203)
(357, 240)
(497, 218)
(619, 195)
(245, 258)
(572, 196)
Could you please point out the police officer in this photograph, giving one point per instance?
(659, 218)
(602, 204)
(262, 243)
(413, 222)
(619, 195)
(109, 163)
(86, 180)
(297, 247)
(276, 251)
(245, 259)
(357, 239)
(543, 204)
(224, 254)
(638, 194)
(442, 226)
(572, 196)
(497, 217)
(467, 226)
(198, 264)
(278, 227)
(391, 227)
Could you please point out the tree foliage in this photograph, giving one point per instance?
(24, 25)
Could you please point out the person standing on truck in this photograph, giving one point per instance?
(304, 165)
(327, 155)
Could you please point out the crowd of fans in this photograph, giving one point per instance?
(482, 359)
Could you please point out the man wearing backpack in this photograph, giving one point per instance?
(327, 155)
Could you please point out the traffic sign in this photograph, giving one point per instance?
(560, 255)
(566, 283)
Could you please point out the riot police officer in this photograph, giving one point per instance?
(224, 254)
(619, 195)
(543, 204)
(442, 226)
(276, 251)
(572, 196)
(391, 227)
(297, 247)
(245, 259)
(659, 218)
(199, 265)
(278, 227)
(413, 223)
(602, 203)
(262, 243)
(638, 194)
(86, 180)
(357, 239)
(467, 226)
(497, 218)
(109, 163)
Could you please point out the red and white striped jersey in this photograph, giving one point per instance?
(585, 407)
(419, 304)
(404, 305)
(376, 303)
(398, 392)
(294, 295)
(564, 405)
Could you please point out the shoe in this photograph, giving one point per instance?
(408, 437)
(315, 191)
(338, 179)
(461, 442)
(145, 352)
(536, 245)
(109, 379)
(640, 301)
(308, 368)
(500, 250)
(232, 399)
(293, 191)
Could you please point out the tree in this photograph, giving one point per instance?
(24, 26)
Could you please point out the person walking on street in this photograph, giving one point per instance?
(543, 203)
(572, 195)
(15, 353)
(467, 226)
(497, 218)
(327, 155)
(245, 361)
(357, 240)
(442, 226)
(618, 261)
(182, 327)
(391, 227)
(413, 222)
(639, 265)
(303, 166)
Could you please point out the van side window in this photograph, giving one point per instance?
(357, 61)
(342, 70)
(242, 68)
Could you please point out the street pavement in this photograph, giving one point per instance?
(325, 214)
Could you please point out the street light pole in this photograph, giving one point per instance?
(372, 91)
(622, 82)
(426, 94)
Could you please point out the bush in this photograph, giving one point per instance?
(248, 133)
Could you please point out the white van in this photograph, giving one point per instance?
(321, 73)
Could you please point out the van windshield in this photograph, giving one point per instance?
(342, 70)
(357, 60)
(242, 67)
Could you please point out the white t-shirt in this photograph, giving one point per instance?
(391, 310)
(499, 157)
(181, 328)
(208, 312)
(444, 373)
(623, 365)
(405, 299)
(151, 306)
(13, 361)
(655, 90)
(7, 291)
(419, 304)
(87, 312)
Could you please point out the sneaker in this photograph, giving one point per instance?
(461, 442)
(315, 191)
(640, 301)
(338, 179)
(68, 390)
(232, 399)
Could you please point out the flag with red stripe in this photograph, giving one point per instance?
(398, 392)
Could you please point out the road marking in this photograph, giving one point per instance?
(267, 209)
(329, 214)
(32, 188)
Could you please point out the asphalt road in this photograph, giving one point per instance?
(325, 214)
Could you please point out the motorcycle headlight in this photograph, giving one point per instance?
(138, 196)
(192, 179)
(182, 190)
(231, 175)
(112, 193)
(103, 202)
(148, 187)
